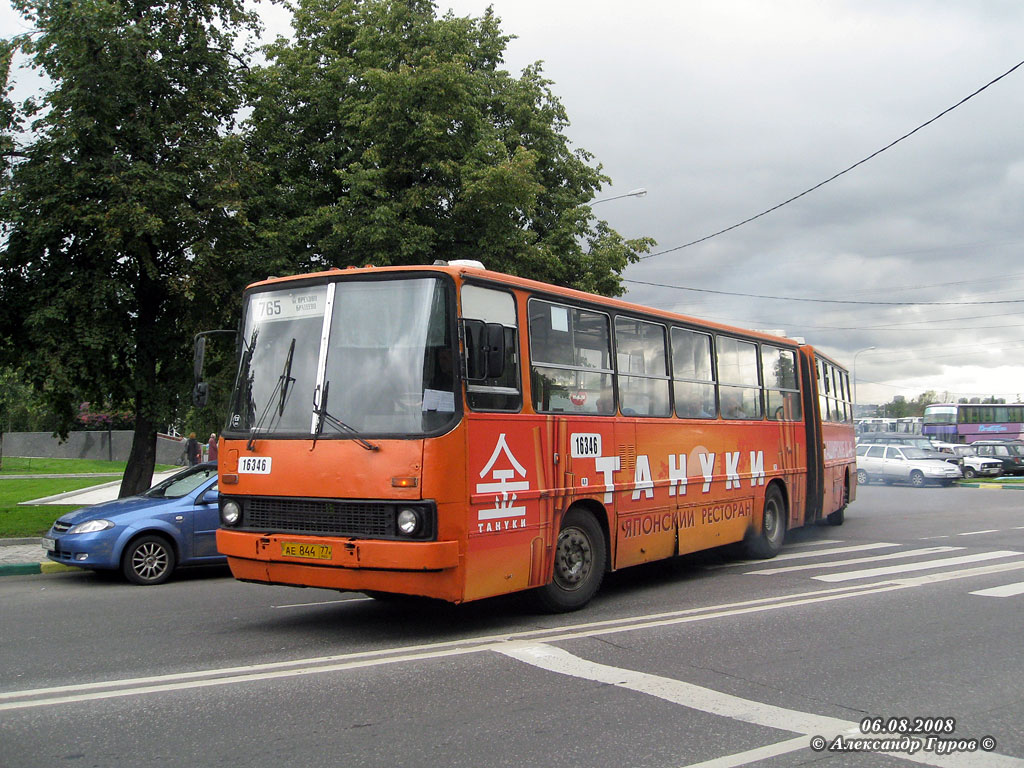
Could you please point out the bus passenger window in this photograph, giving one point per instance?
(642, 366)
(782, 396)
(693, 384)
(570, 359)
(739, 379)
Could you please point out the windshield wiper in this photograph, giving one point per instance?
(286, 378)
(322, 417)
(281, 390)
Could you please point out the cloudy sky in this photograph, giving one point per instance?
(723, 110)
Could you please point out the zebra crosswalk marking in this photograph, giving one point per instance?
(1007, 590)
(868, 573)
(855, 561)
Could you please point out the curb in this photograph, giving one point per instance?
(993, 486)
(23, 569)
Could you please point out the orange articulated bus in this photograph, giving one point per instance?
(456, 433)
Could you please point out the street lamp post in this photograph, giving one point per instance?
(641, 192)
(866, 349)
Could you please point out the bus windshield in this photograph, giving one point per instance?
(348, 359)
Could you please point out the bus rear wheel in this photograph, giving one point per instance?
(580, 559)
(837, 517)
(768, 541)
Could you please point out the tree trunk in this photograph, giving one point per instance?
(150, 295)
(138, 476)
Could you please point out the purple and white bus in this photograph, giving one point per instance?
(967, 422)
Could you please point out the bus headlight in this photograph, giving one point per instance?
(230, 513)
(409, 521)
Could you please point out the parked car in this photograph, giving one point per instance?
(899, 463)
(914, 441)
(146, 537)
(974, 465)
(1009, 452)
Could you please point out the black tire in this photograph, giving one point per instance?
(837, 517)
(767, 542)
(148, 560)
(862, 477)
(580, 560)
(917, 479)
(969, 473)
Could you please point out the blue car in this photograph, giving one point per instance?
(146, 537)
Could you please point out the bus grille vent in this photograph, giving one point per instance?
(320, 518)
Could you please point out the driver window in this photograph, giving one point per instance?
(503, 393)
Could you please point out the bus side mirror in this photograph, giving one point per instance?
(200, 353)
(200, 394)
(485, 349)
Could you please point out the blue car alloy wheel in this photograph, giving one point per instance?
(149, 560)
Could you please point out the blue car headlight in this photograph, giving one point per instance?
(91, 526)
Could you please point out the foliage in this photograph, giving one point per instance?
(900, 407)
(90, 419)
(390, 136)
(21, 410)
(134, 209)
(123, 194)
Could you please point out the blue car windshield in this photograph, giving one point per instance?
(182, 483)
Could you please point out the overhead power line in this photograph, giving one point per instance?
(819, 185)
(830, 301)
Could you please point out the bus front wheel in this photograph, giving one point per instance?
(768, 541)
(580, 559)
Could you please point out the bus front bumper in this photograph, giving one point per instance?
(404, 567)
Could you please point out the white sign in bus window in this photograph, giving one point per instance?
(560, 319)
(274, 306)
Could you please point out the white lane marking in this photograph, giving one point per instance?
(1007, 590)
(676, 691)
(963, 573)
(975, 533)
(888, 570)
(754, 755)
(325, 602)
(856, 560)
(804, 555)
(815, 543)
(714, 702)
(833, 551)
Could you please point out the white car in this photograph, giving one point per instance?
(974, 465)
(900, 463)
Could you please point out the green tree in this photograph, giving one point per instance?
(390, 136)
(119, 199)
(901, 407)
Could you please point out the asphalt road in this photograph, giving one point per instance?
(912, 609)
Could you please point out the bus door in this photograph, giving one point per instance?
(789, 461)
(812, 421)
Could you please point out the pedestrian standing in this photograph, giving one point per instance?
(211, 447)
(192, 449)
